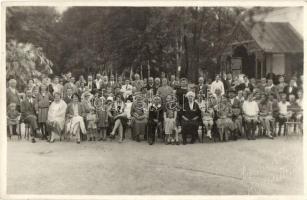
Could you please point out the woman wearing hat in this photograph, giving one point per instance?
(190, 118)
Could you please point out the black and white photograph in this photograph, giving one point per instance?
(147, 101)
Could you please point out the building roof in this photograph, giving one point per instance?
(276, 37)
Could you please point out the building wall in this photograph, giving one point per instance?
(293, 15)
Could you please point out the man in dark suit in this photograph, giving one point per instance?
(91, 84)
(68, 96)
(201, 88)
(28, 113)
(291, 89)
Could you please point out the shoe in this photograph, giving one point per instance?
(90, 139)
(112, 137)
(100, 139)
(33, 140)
(51, 141)
(120, 141)
(178, 143)
(184, 142)
(150, 143)
(78, 142)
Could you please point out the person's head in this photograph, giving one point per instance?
(200, 97)
(109, 100)
(283, 97)
(12, 83)
(92, 110)
(217, 77)
(300, 94)
(183, 82)
(29, 93)
(57, 96)
(35, 90)
(229, 76)
(270, 82)
(69, 91)
(245, 78)
(68, 75)
(292, 98)
(30, 82)
(281, 79)
(136, 77)
(157, 81)
(218, 92)
(127, 81)
(253, 81)
(12, 106)
(157, 100)
(150, 80)
(119, 79)
(112, 77)
(231, 94)
(105, 78)
(173, 77)
(263, 80)
(271, 96)
(201, 80)
(56, 80)
(118, 98)
(164, 81)
(191, 96)
(169, 98)
(72, 79)
(89, 78)
(81, 78)
(82, 84)
(263, 97)
(240, 93)
(245, 94)
(87, 95)
(98, 76)
(75, 98)
(43, 88)
(250, 96)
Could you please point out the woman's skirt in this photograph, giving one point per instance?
(139, 126)
(42, 115)
(102, 117)
(170, 125)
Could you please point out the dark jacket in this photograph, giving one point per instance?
(27, 108)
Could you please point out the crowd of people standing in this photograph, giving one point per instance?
(107, 107)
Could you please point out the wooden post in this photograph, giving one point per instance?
(256, 65)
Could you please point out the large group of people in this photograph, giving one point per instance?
(111, 108)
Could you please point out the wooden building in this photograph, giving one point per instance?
(259, 48)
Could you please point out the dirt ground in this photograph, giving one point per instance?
(242, 167)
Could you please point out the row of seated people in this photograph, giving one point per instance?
(226, 116)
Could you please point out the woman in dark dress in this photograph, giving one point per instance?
(190, 118)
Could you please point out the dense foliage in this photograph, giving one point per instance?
(115, 39)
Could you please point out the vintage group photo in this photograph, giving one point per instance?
(154, 100)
